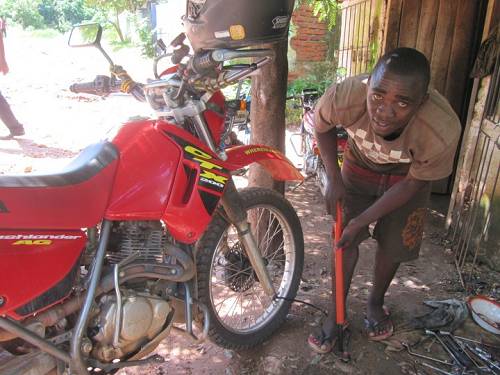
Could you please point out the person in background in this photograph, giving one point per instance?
(15, 127)
(402, 136)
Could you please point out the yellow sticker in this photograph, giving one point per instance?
(33, 242)
(237, 32)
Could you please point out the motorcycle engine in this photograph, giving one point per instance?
(143, 318)
(144, 315)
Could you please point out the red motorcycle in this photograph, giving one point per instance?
(168, 242)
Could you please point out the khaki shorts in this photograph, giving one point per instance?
(399, 234)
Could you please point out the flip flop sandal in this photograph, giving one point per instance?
(372, 327)
(323, 343)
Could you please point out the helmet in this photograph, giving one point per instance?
(211, 24)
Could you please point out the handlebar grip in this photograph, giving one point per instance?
(204, 62)
(101, 85)
(86, 88)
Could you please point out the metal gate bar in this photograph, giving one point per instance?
(354, 49)
(473, 213)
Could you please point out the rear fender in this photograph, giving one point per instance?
(275, 163)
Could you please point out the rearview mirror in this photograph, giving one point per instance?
(85, 35)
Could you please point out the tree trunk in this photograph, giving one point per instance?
(267, 112)
(116, 24)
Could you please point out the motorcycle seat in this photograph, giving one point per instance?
(89, 163)
(76, 197)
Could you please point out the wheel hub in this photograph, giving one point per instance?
(238, 272)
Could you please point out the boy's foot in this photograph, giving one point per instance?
(323, 343)
(382, 329)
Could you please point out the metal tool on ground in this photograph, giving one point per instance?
(338, 281)
(456, 354)
(465, 348)
(415, 354)
(441, 371)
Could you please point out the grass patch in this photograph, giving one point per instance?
(118, 45)
(44, 33)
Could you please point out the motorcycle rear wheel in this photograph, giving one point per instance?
(321, 178)
(242, 315)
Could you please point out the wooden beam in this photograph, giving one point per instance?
(408, 28)
(392, 24)
(459, 65)
(442, 43)
(427, 27)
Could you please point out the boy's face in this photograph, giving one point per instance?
(392, 100)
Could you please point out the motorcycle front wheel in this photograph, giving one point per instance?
(241, 314)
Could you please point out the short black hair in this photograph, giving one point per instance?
(406, 62)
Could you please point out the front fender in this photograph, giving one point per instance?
(275, 163)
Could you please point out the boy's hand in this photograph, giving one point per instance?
(348, 234)
(335, 191)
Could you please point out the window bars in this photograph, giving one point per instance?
(354, 55)
(475, 226)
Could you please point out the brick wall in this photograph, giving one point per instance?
(309, 42)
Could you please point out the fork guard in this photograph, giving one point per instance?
(274, 161)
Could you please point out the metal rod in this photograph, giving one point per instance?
(188, 309)
(34, 339)
(472, 208)
(437, 369)
(77, 364)
(480, 190)
(424, 356)
(487, 216)
(338, 266)
(119, 303)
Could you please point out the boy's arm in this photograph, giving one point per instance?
(397, 196)
(335, 190)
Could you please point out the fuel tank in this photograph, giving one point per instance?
(166, 174)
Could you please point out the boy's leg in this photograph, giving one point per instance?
(399, 235)
(385, 269)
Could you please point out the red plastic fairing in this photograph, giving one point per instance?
(33, 262)
(214, 119)
(148, 166)
(170, 70)
(277, 164)
(199, 184)
(58, 207)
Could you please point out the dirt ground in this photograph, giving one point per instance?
(59, 124)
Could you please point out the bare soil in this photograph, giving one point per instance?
(59, 124)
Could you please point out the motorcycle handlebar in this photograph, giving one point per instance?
(210, 59)
(101, 85)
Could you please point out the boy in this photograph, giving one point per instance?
(402, 136)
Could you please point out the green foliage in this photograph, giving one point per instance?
(145, 35)
(62, 14)
(117, 6)
(23, 12)
(293, 112)
(318, 75)
(326, 10)
(39, 14)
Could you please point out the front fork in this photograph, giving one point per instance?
(233, 206)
